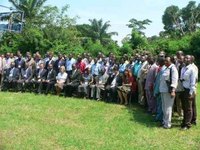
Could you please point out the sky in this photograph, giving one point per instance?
(118, 12)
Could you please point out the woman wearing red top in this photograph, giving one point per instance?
(127, 88)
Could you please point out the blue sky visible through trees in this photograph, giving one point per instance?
(119, 12)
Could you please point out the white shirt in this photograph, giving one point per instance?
(61, 77)
(69, 64)
(163, 88)
(189, 76)
(113, 84)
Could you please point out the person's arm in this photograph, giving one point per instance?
(192, 83)
(174, 80)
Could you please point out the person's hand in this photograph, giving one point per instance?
(190, 97)
(173, 94)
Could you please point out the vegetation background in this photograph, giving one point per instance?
(49, 28)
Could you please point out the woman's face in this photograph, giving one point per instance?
(126, 73)
(62, 70)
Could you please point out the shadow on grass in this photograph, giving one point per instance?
(140, 115)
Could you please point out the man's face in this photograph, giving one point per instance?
(167, 61)
(41, 66)
(50, 66)
(12, 65)
(187, 59)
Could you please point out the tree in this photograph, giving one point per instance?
(138, 39)
(191, 16)
(30, 8)
(99, 31)
(172, 20)
(139, 26)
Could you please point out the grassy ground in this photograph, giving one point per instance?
(28, 121)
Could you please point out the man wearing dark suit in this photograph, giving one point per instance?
(25, 81)
(40, 77)
(72, 86)
(59, 62)
(20, 63)
(50, 61)
(51, 79)
(114, 80)
(11, 77)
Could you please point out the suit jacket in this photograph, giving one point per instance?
(41, 75)
(58, 64)
(15, 74)
(49, 62)
(76, 76)
(111, 78)
(20, 63)
(27, 74)
(51, 75)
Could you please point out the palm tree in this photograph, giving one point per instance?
(98, 31)
(29, 7)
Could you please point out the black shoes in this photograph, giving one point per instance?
(185, 128)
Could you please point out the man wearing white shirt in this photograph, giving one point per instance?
(168, 85)
(69, 63)
(189, 80)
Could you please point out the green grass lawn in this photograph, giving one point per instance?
(29, 121)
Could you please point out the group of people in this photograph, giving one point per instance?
(157, 82)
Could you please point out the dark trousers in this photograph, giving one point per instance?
(49, 86)
(10, 85)
(69, 73)
(111, 94)
(69, 89)
(189, 109)
(38, 86)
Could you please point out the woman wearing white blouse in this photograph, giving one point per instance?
(60, 80)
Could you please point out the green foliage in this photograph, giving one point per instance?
(126, 49)
(178, 22)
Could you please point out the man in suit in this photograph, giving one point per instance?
(114, 80)
(11, 76)
(72, 86)
(51, 79)
(40, 77)
(20, 63)
(25, 81)
(59, 62)
(50, 60)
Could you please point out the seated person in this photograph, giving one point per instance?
(27, 76)
(114, 80)
(11, 76)
(61, 79)
(40, 77)
(100, 84)
(72, 86)
(128, 85)
(51, 79)
(86, 80)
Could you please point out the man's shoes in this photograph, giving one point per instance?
(184, 128)
(194, 123)
(165, 127)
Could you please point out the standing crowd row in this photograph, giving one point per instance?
(158, 82)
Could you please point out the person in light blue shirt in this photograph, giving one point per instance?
(136, 67)
(156, 92)
(69, 63)
(96, 67)
(122, 66)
